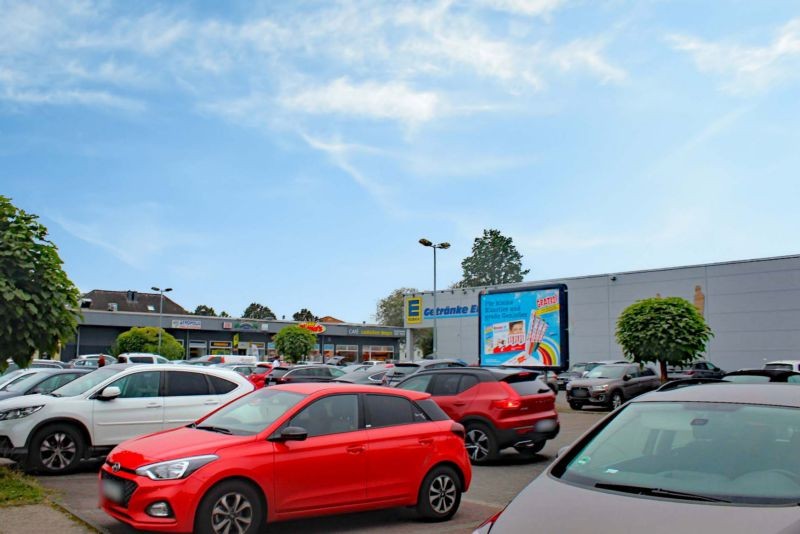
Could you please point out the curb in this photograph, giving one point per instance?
(78, 518)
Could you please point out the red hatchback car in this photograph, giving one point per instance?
(291, 451)
(500, 407)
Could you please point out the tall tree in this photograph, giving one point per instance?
(390, 308)
(202, 309)
(667, 330)
(38, 302)
(494, 260)
(294, 343)
(258, 311)
(303, 315)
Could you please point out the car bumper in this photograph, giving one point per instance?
(141, 492)
(521, 436)
(7, 450)
(589, 397)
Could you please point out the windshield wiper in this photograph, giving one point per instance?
(214, 429)
(658, 492)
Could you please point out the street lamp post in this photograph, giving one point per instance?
(160, 310)
(426, 243)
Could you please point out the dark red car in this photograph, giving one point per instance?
(499, 407)
(291, 451)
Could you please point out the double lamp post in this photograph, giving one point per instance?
(427, 243)
(160, 311)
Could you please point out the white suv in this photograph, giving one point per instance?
(89, 416)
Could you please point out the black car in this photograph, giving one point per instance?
(374, 375)
(304, 373)
(755, 376)
(698, 369)
(403, 370)
(42, 381)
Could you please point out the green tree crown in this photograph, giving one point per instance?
(202, 309)
(294, 343)
(494, 260)
(145, 339)
(390, 309)
(38, 302)
(303, 315)
(258, 311)
(668, 330)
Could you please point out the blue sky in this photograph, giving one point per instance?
(292, 153)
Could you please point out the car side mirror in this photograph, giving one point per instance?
(109, 393)
(290, 433)
(626, 378)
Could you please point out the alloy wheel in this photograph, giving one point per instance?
(616, 400)
(477, 444)
(58, 451)
(231, 514)
(442, 494)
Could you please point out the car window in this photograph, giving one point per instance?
(416, 383)
(467, 381)
(54, 382)
(140, 359)
(22, 383)
(702, 366)
(220, 386)
(330, 415)
(161, 359)
(183, 384)
(138, 385)
(648, 372)
(782, 366)
(391, 410)
(794, 379)
(336, 372)
(746, 379)
(632, 371)
(445, 384)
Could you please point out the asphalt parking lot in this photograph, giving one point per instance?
(492, 488)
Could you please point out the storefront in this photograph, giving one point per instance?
(215, 335)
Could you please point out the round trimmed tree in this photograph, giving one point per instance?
(666, 330)
(294, 343)
(145, 339)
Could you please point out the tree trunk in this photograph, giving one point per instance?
(663, 365)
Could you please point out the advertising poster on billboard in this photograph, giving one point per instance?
(524, 326)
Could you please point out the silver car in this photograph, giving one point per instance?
(707, 458)
(611, 385)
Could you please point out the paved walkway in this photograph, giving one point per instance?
(38, 518)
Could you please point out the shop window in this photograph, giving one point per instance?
(378, 352)
(350, 352)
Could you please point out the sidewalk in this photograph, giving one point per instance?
(39, 518)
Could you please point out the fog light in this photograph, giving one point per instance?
(159, 509)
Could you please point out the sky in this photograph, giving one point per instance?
(293, 153)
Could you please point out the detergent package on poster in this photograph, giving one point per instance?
(525, 327)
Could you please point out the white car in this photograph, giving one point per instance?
(89, 416)
(141, 357)
(788, 365)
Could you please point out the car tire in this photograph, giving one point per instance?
(56, 449)
(480, 443)
(615, 400)
(439, 495)
(230, 501)
(575, 405)
(553, 388)
(531, 451)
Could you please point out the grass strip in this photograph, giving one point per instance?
(17, 489)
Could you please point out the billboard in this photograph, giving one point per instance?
(524, 326)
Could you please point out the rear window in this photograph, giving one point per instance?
(432, 410)
(389, 410)
(404, 369)
(220, 385)
(781, 366)
(180, 384)
(526, 384)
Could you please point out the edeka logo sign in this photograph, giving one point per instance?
(413, 310)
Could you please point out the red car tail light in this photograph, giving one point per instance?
(688, 373)
(507, 404)
(458, 430)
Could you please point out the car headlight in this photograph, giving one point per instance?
(175, 469)
(19, 413)
(600, 388)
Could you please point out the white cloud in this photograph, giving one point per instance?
(524, 7)
(587, 54)
(747, 68)
(392, 100)
(100, 99)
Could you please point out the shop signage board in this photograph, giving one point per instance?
(311, 326)
(524, 327)
(187, 324)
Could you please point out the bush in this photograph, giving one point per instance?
(145, 339)
(294, 342)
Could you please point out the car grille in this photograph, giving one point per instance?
(580, 392)
(129, 486)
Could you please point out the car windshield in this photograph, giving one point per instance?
(252, 413)
(746, 379)
(607, 371)
(22, 383)
(702, 451)
(83, 384)
(577, 368)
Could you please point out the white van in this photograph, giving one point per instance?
(141, 357)
(784, 365)
(226, 358)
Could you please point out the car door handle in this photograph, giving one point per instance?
(426, 441)
(459, 403)
(356, 449)
(153, 405)
(211, 401)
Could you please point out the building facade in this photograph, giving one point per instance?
(752, 306)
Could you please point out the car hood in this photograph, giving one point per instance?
(554, 506)
(25, 400)
(171, 444)
(8, 395)
(587, 382)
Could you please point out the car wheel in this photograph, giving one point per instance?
(231, 507)
(480, 443)
(440, 494)
(553, 388)
(56, 449)
(616, 400)
(575, 405)
(532, 450)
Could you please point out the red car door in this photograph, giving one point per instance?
(328, 469)
(454, 392)
(401, 446)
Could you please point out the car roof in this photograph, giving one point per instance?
(626, 364)
(308, 388)
(793, 362)
(762, 372)
(763, 394)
